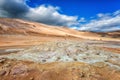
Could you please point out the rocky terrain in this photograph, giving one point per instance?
(35, 51)
(23, 70)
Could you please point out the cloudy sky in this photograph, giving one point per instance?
(91, 15)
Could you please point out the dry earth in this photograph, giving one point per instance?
(21, 70)
(34, 51)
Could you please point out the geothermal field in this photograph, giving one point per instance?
(35, 51)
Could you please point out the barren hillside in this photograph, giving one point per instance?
(22, 27)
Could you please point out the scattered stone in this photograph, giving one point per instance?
(31, 78)
(68, 54)
(46, 49)
(44, 60)
(60, 45)
(7, 65)
(58, 58)
(73, 68)
(86, 69)
(86, 47)
(19, 69)
(98, 53)
(75, 59)
(84, 58)
(99, 64)
(98, 76)
(82, 74)
(2, 72)
(42, 70)
(2, 60)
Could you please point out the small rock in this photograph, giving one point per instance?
(68, 54)
(19, 69)
(44, 60)
(60, 44)
(2, 60)
(31, 78)
(73, 68)
(86, 69)
(58, 58)
(2, 73)
(98, 53)
(99, 64)
(84, 58)
(7, 65)
(75, 59)
(82, 75)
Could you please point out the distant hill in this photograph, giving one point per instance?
(17, 26)
(23, 27)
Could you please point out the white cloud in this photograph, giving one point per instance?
(116, 13)
(105, 22)
(51, 15)
(104, 16)
(82, 19)
(45, 14)
(100, 15)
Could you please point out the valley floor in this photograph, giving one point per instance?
(58, 58)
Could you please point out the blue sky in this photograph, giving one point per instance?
(82, 8)
(91, 15)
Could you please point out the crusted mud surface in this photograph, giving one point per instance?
(61, 60)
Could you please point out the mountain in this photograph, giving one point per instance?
(22, 27)
(113, 34)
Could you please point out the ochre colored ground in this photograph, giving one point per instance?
(23, 70)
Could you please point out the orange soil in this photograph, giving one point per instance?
(23, 70)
